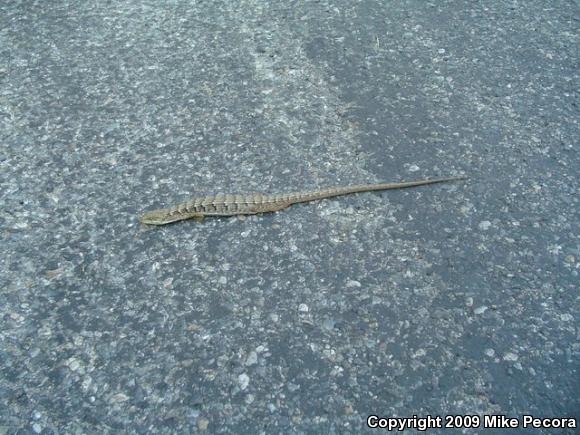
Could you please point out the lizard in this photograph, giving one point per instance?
(253, 203)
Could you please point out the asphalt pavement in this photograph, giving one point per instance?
(440, 305)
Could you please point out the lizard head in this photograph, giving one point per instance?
(159, 217)
(166, 216)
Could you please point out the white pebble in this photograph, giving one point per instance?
(244, 381)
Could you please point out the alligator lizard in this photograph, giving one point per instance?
(252, 203)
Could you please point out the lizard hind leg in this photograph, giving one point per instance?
(281, 206)
(275, 207)
(268, 208)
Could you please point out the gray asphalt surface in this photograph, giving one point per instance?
(455, 299)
